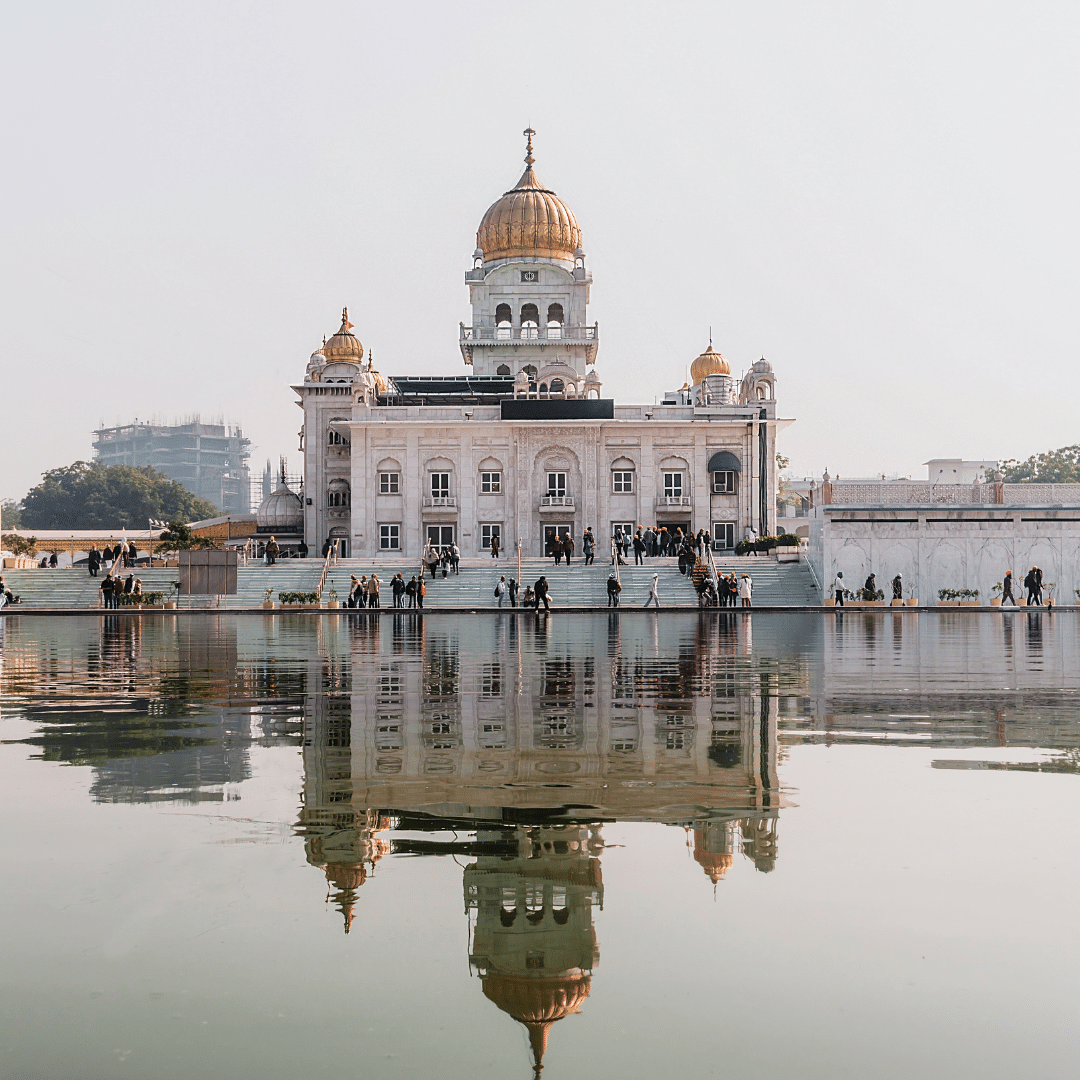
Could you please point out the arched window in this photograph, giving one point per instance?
(338, 493)
(530, 321)
(554, 321)
(503, 315)
(530, 370)
(502, 369)
(543, 389)
(557, 386)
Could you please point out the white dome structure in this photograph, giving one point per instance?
(281, 511)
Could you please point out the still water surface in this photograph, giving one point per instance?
(616, 845)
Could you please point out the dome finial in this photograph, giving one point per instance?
(345, 324)
(529, 159)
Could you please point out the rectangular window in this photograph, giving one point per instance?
(440, 485)
(486, 534)
(673, 487)
(622, 528)
(389, 537)
(440, 536)
(723, 483)
(556, 484)
(622, 483)
(491, 483)
(389, 483)
(723, 535)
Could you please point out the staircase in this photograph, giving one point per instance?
(775, 584)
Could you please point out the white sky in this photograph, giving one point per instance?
(880, 198)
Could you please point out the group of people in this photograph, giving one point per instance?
(120, 555)
(448, 557)
(732, 591)
(6, 595)
(112, 588)
(364, 591)
(1033, 583)
(508, 589)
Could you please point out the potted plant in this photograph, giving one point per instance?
(787, 548)
(299, 599)
(997, 590)
(333, 601)
(969, 597)
(174, 594)
(948, 598)
(267, 602)
(912, 600)
(1051, 591)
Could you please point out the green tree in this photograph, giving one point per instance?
(19, 545)
(11, 514)
(177, 537)
(1054, 467)
(96, 496)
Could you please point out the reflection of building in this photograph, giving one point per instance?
(523, 445)
(534, 945)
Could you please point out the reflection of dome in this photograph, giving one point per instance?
(343, 345)
(537, 1002)
(529, 220)
(710, 362)
(281, 510)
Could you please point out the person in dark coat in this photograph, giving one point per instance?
(397, 586)
(898, 588)
(540, 591)
(512, 588)
(1006, 589)
(410, 592)
(326, 547)
(133, 553)
(613, 590)
(639, 549)
(588, 546)
(556, 549)
(1038, 584)
(93, 562)
(568, 547)
(129, 583)
(870, 588)
(494, 545)
(1032, 587)
(301, 550)
(107, 589)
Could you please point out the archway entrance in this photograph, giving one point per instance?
(551, 531)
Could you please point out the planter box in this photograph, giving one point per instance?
(333, 604)
(996, 602)
(874, 603)
(970, 603)
(912, 601)
(269, 605)
(170, 603)
(1021, 601)
(830, 603)
(787, 555)
(948, 603)
(896, 603)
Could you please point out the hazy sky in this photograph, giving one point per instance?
(880, 198)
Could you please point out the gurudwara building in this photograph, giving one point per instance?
(524, 445)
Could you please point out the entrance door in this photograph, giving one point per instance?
(551, 531)
(440, 536)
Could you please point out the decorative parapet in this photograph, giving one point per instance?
(908, 493)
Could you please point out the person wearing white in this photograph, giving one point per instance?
(500, 589)
(654, 595)
(838, 588)
(746, 590)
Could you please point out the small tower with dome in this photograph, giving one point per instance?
(529, 290)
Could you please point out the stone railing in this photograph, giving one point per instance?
(911, 493)
(440, 501)
(664, 501)
(556, 500)
(496, 335)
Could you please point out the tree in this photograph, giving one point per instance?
(178, 538)
(10, 514)
(1054, 467)
(19, 545)
(96, 496)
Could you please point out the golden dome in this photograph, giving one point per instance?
(710, 362)
(380, 380)
(529, 220)
(715, 864)
(343, 345)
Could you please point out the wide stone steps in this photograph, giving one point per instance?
(775, 584)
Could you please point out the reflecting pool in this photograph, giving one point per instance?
(611, 845)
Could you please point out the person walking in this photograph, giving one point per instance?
(272, 551)
(410, 591)
(839, 588)
(494, 545)
(444, 561)
(568, 547)
(93, 562)
(431, 560)
(588, 546)
(1032, 588)
(870, 588)
(626, 544)
(540, 591)
(1006, 589)
(898, 588)
(664, 541)
(613, 590)
(556, 549)
(639, 549)
(500, 589)
(1038, 584)
(654, 591)
(107, 589)
(512, 592)
(373, 592)
(746, 590)
(455, 558)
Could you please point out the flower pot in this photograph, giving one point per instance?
(912, 601)
(1021, 601)
(170, 603)
(996, 602)
(333, 603)
(269, 605)
(897, 603)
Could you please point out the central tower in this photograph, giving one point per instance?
(529, 291)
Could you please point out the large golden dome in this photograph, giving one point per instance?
(529, 220)
(710, 362)
(343, 345)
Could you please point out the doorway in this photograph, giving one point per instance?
(551, 531)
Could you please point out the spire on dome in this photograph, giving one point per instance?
(538, 1040)
(529, 133)
(345, 324)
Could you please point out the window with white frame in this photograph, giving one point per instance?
(440, 485)
(389, 483)
(389, 537)
(491, 483)
(622, 482)
(489, 532)
(620, 529)
(673, 485)
(556, 485)
(723, 535)
(723, 483)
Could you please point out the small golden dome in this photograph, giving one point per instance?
(529, 220)
(710, 362)
(343, 345)
(380, 381)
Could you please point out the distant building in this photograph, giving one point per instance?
(210, 460)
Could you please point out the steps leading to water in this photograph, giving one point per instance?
(775, 584)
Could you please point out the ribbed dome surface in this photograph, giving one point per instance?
(710, 362)
(344, 345)
(529, 220)
(281, 510)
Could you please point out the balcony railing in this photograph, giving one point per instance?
(556, 500)
(496, 335)
(665, 501)
(440, 501)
